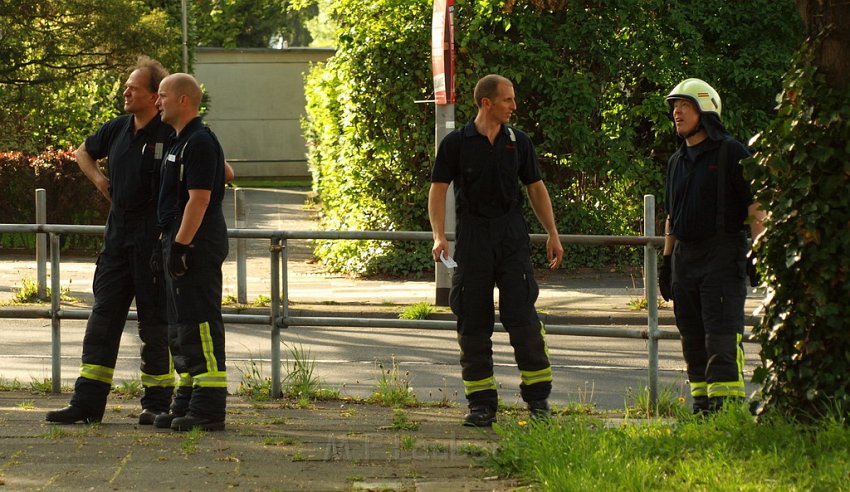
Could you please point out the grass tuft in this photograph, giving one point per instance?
(420, 310)
(394, 389)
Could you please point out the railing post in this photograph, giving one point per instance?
(241, 271)
(275, 250)
(41, 244)
(55, 320)
(650, 277)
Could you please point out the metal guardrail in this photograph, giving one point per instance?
(278, 317)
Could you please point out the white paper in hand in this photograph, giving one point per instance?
(447, 260)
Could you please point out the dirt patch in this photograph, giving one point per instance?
(333, 445)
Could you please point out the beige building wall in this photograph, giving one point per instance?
(256, 99)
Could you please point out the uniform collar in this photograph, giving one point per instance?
(196, 124)
(470, 130)
(701, 148)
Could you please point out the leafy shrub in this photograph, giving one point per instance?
(71, 198)
(590, 81)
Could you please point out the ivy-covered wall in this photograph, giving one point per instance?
(590, 79)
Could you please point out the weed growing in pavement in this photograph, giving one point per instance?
(670, 403)
(229, 299)
(190, 443)
(280, 441)
(43, 386)
(470, 449)
(262, 301)
(298, 457)
(13, 385)
(408, 443)
(402, 422)
(253, 385)
(444, 401)
(26, 405)
(28, 293)
(394, 389)
(420, 310)
(300, 380)
(129, 389)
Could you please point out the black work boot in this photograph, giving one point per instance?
(702, 405)
(148, 416)
(72, 415)
(539, 409)
(189, 422)
(480, 416)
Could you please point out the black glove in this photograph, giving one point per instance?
(665, 278)
(179, 259)
(755, 278)
(156, 258)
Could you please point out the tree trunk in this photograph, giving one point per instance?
(833, 57)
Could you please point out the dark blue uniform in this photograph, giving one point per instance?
(123, 272)
(493, 249)
(195, 160)
(707, 217)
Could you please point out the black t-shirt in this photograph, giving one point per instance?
(692, 190)
(133, 161)
(200, 167)
(486, 176)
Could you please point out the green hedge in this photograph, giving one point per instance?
(71, 198)
(589, 81)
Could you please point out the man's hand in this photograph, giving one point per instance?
(554, 251)
(755, 278)
(665, 278)
(179, 259)
(440, 246)
(156, 258)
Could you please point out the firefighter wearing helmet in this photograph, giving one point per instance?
(706, 259)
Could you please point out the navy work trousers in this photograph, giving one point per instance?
(490, 253)
(195, 326)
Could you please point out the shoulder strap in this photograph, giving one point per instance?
(722, 159)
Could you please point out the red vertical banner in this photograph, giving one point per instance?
(443, 51)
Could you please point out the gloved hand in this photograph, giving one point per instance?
(755, 278)
(156, 258)
(665, 278)
(179, 259)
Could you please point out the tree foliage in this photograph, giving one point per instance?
(250, 23)
(802, 174)
(62, 62)
(590, 79)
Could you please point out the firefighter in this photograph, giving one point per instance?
(486, 160)
(134, 144)
(194, 245)
(706, 258)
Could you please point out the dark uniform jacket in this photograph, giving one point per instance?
(692, 192)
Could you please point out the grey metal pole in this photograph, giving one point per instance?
(185, 18)
(241, 270)
(275, 249)
(41, 244)
(55, 320)
(444, 124)
(650, 277)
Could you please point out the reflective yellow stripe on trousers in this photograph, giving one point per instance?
(470, 387)
(98, 373)
(213, 378)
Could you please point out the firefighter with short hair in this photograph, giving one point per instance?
(134, 144)
(487, 160)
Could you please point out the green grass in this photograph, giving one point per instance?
(420, 310)
(129, 389)
(728, 451)
(28, 293)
